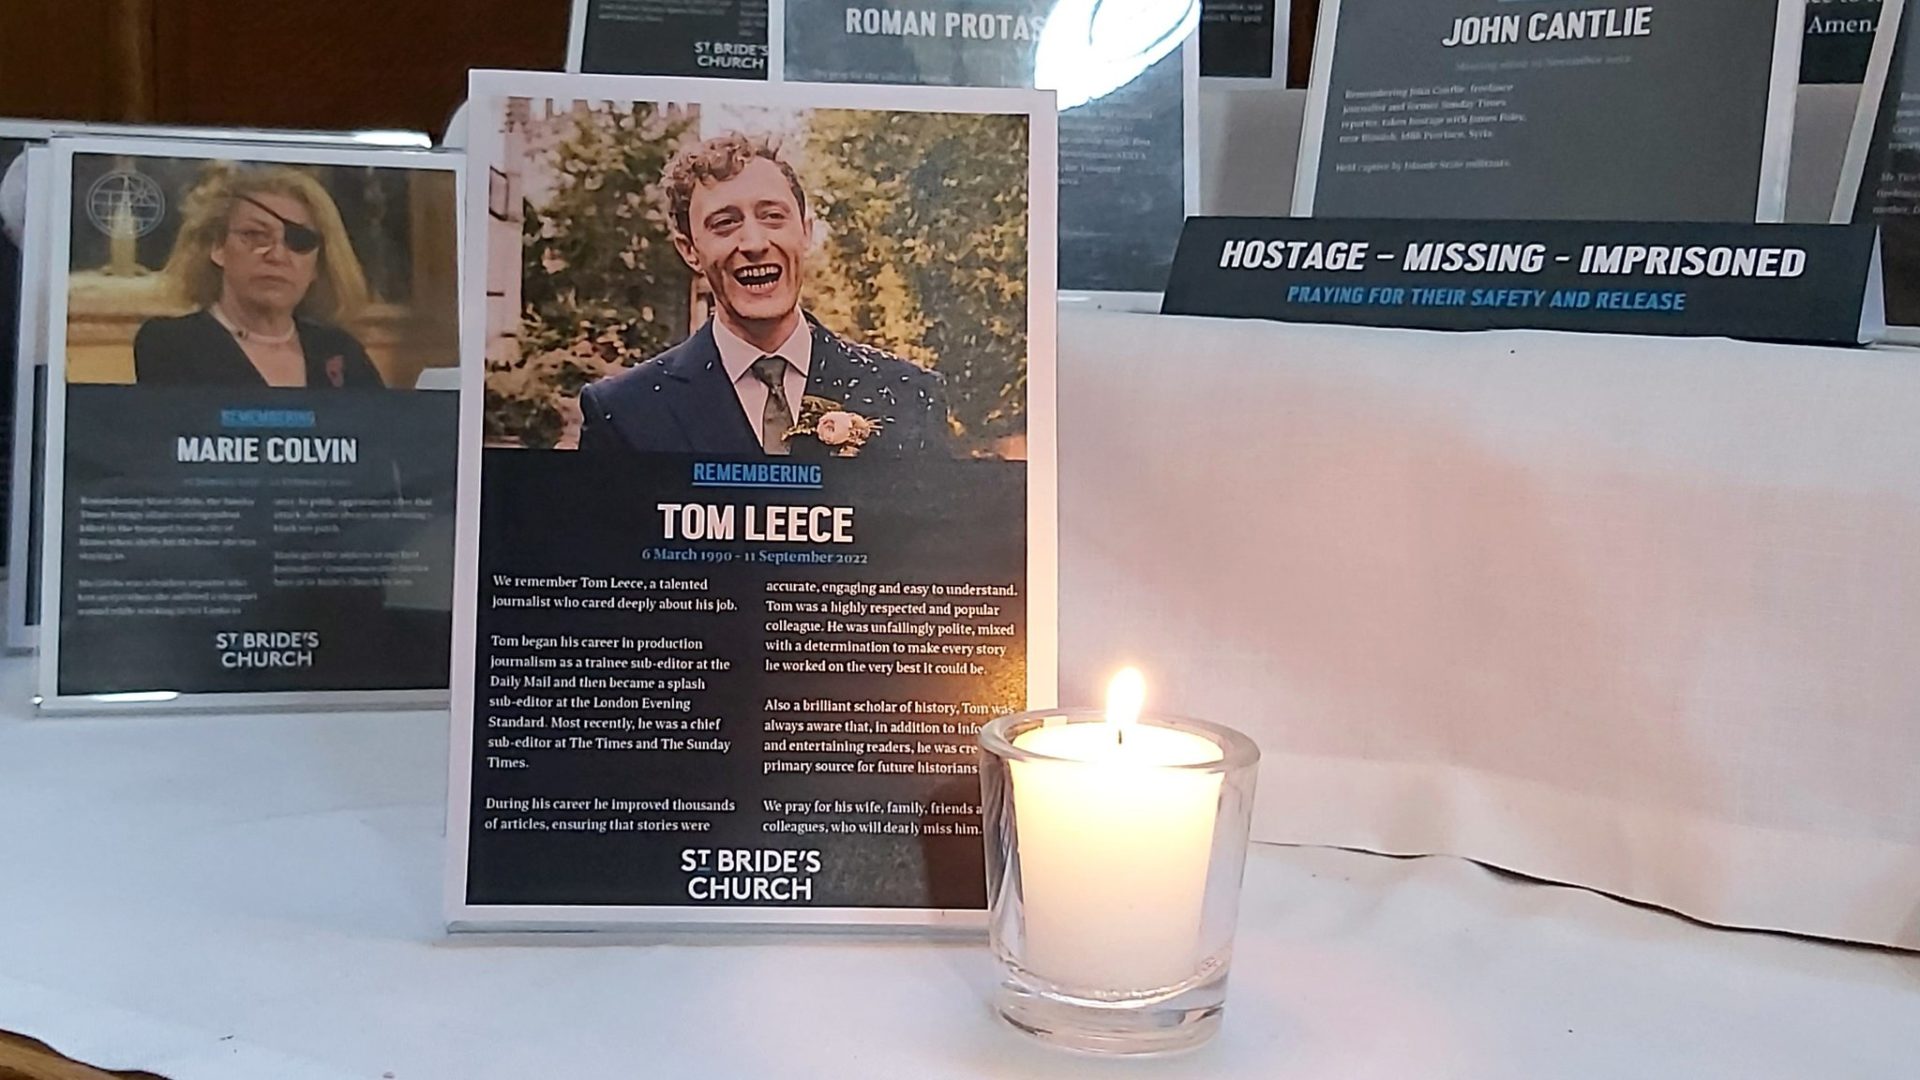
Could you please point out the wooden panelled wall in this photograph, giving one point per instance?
(292, 63)
(269, 63)
(1306, 17)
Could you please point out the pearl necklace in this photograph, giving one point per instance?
(243, 334)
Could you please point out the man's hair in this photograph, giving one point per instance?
(719, 158)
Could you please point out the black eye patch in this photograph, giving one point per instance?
(302, 240)
(299, 239)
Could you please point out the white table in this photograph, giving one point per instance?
(258, 897)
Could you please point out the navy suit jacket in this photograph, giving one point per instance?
(681, 402)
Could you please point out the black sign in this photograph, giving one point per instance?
(1799, 283)
(715, 39)
(1839, 40)
(692, 690)
(1236, 38)
(1478, 109)
(265, 541)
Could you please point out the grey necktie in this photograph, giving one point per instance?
(776, 419)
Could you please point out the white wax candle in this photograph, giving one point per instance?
(1114, 850)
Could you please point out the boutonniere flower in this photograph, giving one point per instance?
(337, 370)
(834, 426)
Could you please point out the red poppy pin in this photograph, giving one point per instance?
(337, 370)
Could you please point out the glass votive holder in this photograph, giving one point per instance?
(1114, 864)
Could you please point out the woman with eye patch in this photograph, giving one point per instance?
(264, 257)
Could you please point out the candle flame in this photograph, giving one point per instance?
(1126, 696)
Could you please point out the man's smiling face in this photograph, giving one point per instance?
(749, 240)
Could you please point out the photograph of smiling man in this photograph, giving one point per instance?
(684, 278)
(757, 525)
(740, 221)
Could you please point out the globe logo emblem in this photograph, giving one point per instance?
(126, 204)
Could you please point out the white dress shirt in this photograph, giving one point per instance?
(737, 356)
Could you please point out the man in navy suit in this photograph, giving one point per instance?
(738, 385)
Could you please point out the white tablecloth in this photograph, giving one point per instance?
(1639, 614)
(257, 898)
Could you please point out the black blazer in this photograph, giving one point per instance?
(195, 350)
(681, 402)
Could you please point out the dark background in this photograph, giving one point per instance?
(1236, 39)
(1821, 307)
(121, 445)
(1835, 57)
(558, 513)
(1663, 137)
(1889, 194)
(663, 38)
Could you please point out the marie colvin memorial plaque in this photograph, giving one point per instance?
(757, 527)
(1668, 110)
(1124, 120)
(714, 39)
(249, 492)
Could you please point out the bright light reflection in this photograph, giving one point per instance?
(394, 138)
(1090, 48)
(1126, 697)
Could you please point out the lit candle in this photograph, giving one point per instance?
(1115, 838)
